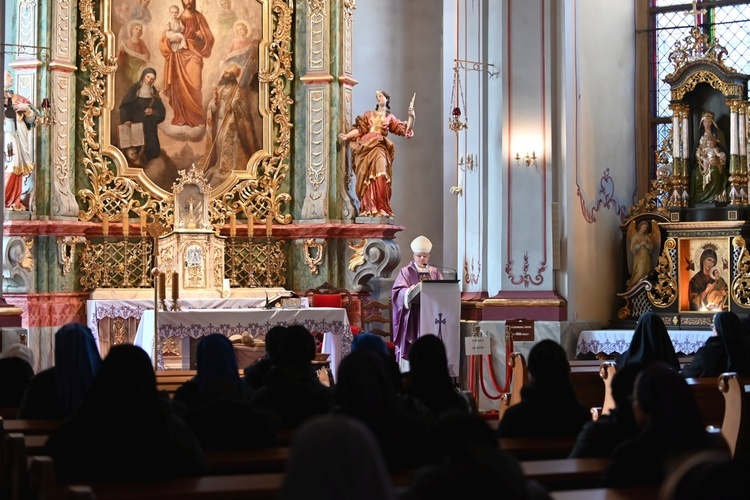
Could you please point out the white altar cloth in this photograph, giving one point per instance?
(96, 310)
(196, 323)
(611, 341)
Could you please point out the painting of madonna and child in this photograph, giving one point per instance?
(704, 274)
(186, 86)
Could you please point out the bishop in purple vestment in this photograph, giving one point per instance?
(405, 316)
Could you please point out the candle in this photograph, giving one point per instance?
(175, 286)
(232, 225)
(162, 286)
(105, 224)
(143, 223)
(125, 222)
(269, 225)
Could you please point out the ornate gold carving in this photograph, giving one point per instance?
(358, 254)
(696, 47)
(664, 292)
(66, 246)
(313, 261)
(741, 282)
(258, 193)
(119, 331)
(697, 320)
(705, 76)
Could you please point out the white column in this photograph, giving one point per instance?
(733, 149)
(676, 135)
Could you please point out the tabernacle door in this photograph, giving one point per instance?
(440, 314)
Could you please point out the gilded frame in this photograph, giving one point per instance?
(117, 187)
(690, 252)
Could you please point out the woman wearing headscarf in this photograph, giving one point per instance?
(16, 372)
(725, 351)
(650, 342)
(670, 425)
(335, 456)
(549, 392)
(429, 379)
(125, 430)
(217, 395)
(56, 392)
(292, 391)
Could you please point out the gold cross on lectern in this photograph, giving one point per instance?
(695, 13)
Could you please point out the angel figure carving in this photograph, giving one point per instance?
(643, 239)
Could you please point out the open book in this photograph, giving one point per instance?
(131, 136)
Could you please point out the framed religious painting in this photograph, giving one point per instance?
(183, 83)
(704, 272)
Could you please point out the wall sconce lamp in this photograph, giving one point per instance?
(527, 159)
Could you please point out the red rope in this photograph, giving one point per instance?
(508, 370)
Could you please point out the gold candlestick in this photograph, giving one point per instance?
(232, 225)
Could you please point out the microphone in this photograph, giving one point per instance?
(447, 271)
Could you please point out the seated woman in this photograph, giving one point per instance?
(670, 425)
(599, 437)
(429, 379)
(548, 406)
(725, 351)
(125, 430)
(56, 392)
(217, 395)
(335, 456)
(650, 342)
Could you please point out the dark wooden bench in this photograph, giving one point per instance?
(532, 448)
(553, 474)
(735, 427)
(641, 493)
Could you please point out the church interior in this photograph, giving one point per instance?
(573, 164)
(535, 183)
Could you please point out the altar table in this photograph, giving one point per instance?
(196, 323)
(101, 313)
(618, 341)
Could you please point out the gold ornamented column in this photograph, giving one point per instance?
(735, 176)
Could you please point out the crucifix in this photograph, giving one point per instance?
(440, 321)
(695, 13)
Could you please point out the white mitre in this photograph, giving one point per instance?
(421, 245)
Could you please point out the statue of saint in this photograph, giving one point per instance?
(709, 178)
(373, 154)
(20, 117)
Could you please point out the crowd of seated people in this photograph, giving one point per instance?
(383, 420)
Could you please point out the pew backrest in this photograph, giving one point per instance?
(735, 427)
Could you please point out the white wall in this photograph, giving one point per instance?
(398, 48)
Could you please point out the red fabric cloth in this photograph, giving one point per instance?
(326, 300)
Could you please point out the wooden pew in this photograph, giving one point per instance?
(735, 427)
(531, 448)
(553, 474)
(709, 399)
(639, 493)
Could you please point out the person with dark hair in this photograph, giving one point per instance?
(16, 374)
(650, 342)
(335, 456)
(217, 395)
(122, 421)
(292, 391)
(725, 351)
(429, 380)
(365, 389)
(142, 104)
(373, 154)
(56, 392)
(255, 372)
(670, 426)
(599, 437)
(549, 392)
(467, 463)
